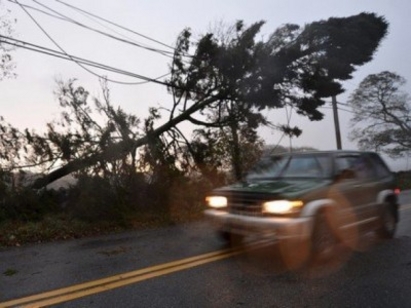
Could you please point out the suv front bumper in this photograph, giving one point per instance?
(279, 227)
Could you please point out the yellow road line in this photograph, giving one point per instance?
(105, 284)
(108, 279)
(117, 284)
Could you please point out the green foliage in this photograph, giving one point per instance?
(11, 145)
(95, 199)
(344, 43)
(167, 194)
(25, 204)
(296, 66)
(215, 155)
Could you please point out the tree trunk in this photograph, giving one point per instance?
(118, 150)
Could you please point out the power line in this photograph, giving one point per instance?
(162, 52)
(289, 114)
(115, 24)
(65, 18)
(344, 104)
(57, 54)
(70, 20)
(65, 56)
(38, 10)
(325, 107)
(103, 25)
(69, 56)
(76, 59)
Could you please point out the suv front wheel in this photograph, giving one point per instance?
(388, 222)
(323, 240)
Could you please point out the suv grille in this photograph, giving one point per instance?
(246, 204)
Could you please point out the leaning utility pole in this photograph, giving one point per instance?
(336, 122)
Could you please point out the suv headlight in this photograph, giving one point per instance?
(216, 201)
(282, 206)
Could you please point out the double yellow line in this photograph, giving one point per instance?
(117, 281)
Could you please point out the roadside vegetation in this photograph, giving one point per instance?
(93, 206)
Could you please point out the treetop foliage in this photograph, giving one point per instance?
(345, 42)
(297, 65)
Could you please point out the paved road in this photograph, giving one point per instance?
(192, 270)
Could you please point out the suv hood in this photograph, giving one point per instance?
(287, 188)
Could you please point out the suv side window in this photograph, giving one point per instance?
(352, 166)
(341, 164)
(363, 168)
(380, 168)
(344, 167)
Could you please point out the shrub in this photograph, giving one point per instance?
(26, 204)
(93, 198)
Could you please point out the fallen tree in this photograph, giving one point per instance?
(296, 67)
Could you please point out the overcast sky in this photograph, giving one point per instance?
(28, 100)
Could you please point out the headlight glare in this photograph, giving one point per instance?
(281, 206)
(216, 201)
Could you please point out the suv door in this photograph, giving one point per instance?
(355, 188)
(383, 179)
(368, 189)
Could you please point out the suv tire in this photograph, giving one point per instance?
(388, 222)
(323, 240)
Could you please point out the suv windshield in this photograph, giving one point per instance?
(299, 166)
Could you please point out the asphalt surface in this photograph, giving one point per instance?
(378, 275)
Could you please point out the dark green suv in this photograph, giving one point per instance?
(309, 199)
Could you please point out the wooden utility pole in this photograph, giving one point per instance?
(336, 122)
